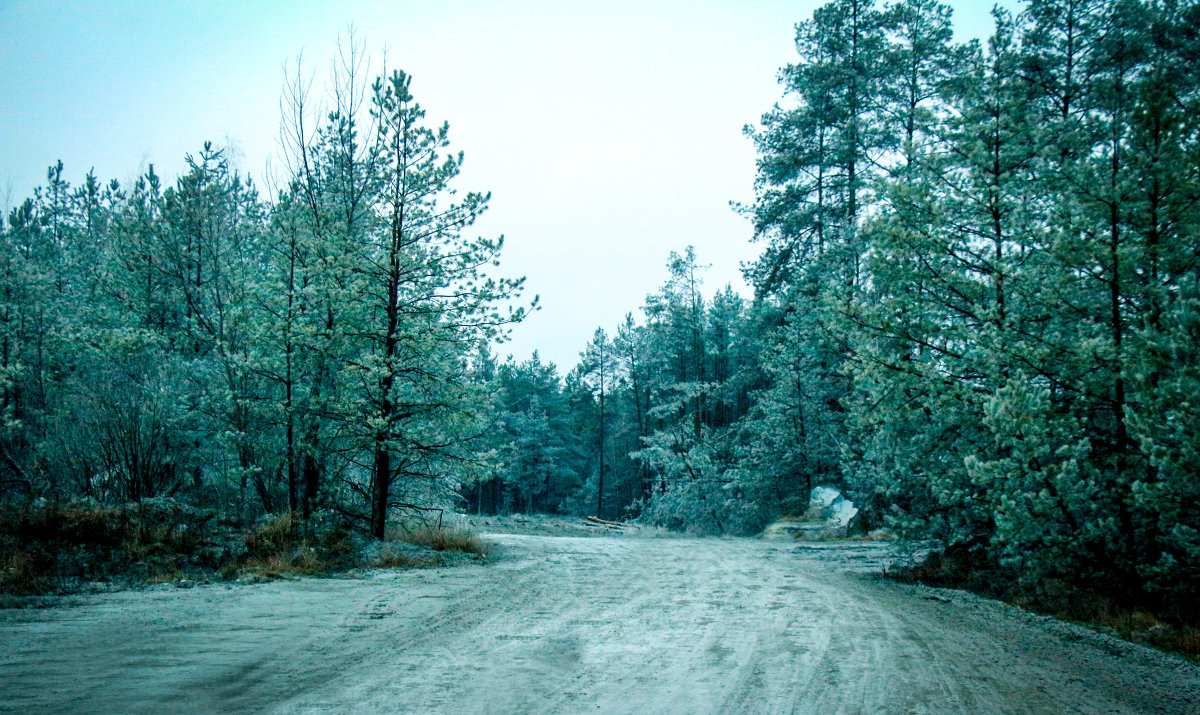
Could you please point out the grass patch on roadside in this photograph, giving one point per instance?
(275, 548)
(393, 558)
(59, 549)
(441, 539)
(1174, 630)
(1142, 627)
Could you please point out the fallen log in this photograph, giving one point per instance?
(605, 528)
(605, 522)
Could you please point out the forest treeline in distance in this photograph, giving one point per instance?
(976, 311)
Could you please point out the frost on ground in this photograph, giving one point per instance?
(562, 624)
(553, 525)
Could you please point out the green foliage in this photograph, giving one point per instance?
(539, 439)
(258, 357)
(1009, 299)
(975, 308)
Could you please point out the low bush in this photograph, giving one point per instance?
(55, 548)
(273, 550)
(440, 538)
(59, 549)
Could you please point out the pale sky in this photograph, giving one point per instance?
(609, 132)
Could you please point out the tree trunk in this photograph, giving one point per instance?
(381, 483)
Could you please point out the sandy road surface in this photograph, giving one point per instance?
(602, 625)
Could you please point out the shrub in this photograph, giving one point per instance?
(56, 549)
(441, 539)
(271, 537)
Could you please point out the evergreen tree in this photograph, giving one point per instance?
(428, 304)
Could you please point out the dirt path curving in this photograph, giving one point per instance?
(595, 625)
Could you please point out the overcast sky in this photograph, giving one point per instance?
(609, 132)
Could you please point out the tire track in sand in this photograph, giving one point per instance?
(609, 625)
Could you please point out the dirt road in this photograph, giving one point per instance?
(578, 625)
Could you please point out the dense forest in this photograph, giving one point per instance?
(977, 308)
(301, 354)
(976, 311)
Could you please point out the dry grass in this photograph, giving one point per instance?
(793, 517)
(274, 551)
(1185, 641)
(58, 549)
(301, 561)
(66, 548)
(272, 536)
(441, 539)
(1166, 629)
(1146, 628)
(21, 574)
(390, 558)
(167, 576)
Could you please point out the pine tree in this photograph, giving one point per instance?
(428, 304)
(598, 367)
